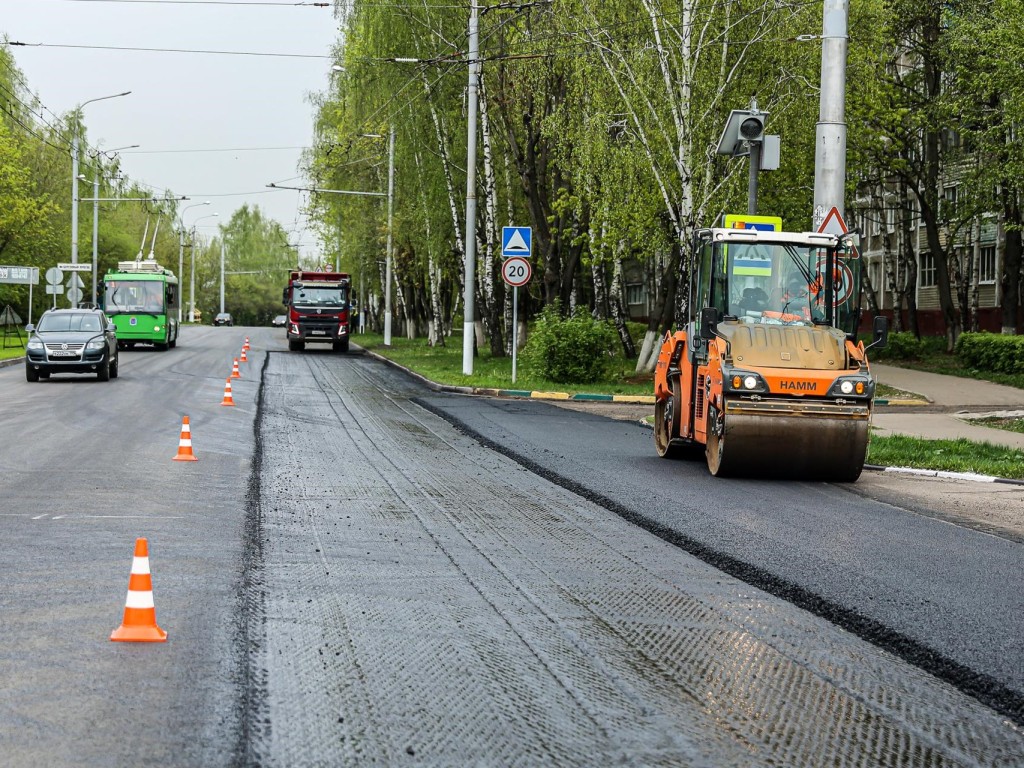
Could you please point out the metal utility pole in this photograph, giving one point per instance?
(222, 273)
(830, 134)
(469, 289)
(95, 230)
(755, 167)
(388, 254)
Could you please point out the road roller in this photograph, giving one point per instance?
(768, 377)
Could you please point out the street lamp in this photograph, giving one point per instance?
(181, 251)
(96, 213)
(192, 270)
(74, 178)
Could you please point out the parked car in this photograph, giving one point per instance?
(223, 318)
(71, 341)
(280, 321)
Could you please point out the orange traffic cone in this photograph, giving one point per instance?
(227, 394)
(234, 370)
(185, 443)
(139, 623)
(246, 345)
(243, 358)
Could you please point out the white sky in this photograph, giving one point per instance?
(186, 101)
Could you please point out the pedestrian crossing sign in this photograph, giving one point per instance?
(516, 241)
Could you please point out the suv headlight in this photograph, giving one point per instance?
(98, 343)
(34, 344)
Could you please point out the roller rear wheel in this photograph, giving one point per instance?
(666, 424)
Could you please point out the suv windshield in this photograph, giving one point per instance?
(69, 322)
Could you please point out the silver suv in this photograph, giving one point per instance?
(71, 341)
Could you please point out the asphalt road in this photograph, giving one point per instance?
(943, 595)
(346, 578)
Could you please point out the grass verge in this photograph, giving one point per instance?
(444, 366)
(947, 456)
(9, 352)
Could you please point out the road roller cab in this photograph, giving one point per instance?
(767, 377)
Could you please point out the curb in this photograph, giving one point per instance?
(907, 402)
(11, 361)
(944, 475)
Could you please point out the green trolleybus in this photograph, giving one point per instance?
(141, 298)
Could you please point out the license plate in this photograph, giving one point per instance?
(318, 333)
(65, 353)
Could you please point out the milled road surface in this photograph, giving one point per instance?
(423, 598)
(348, 579)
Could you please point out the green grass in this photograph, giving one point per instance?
(884, 392)
(444, 366)
(947, 456)
(9, 352)
(1010, 424)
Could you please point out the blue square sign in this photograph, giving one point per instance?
(516, 241)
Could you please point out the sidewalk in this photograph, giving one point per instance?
(958, 397)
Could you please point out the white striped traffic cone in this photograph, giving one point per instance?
(139, 623)
(185, 443)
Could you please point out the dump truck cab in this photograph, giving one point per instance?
(768, 376)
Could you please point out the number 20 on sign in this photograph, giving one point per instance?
(516, 271)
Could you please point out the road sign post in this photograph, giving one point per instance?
(515, 271)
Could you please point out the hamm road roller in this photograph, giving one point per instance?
(768, 377)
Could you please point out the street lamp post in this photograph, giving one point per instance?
(192, 270)
(74, 180)
(96, 217)
(181, 252)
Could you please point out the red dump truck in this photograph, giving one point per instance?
(318, 309)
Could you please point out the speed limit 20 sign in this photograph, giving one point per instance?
(516, 271)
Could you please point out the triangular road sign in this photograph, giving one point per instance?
(833, 223)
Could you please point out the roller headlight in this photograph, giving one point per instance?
(744, 382)
(852, 386)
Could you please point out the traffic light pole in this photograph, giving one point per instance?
(755, 169)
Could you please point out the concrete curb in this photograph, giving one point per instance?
(944, 475)
(11, 361)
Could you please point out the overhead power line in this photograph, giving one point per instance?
(172, 50)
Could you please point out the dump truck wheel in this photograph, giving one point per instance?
(666, 424)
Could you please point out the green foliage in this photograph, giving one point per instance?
(906, 346)
(574, 349)
(991, 352)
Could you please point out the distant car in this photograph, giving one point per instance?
(71, 341)
(280, 321)
(223, 318)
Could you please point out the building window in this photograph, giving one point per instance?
(987, 265)
(927, 271)
(635, 294)
(948, 201)
(890, 219)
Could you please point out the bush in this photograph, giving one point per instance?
(991, 352)
(570, 350)
(906, 346)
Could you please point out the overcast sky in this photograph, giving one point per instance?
(184, 103)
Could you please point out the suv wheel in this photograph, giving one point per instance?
(31, 374)
(103, 372)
